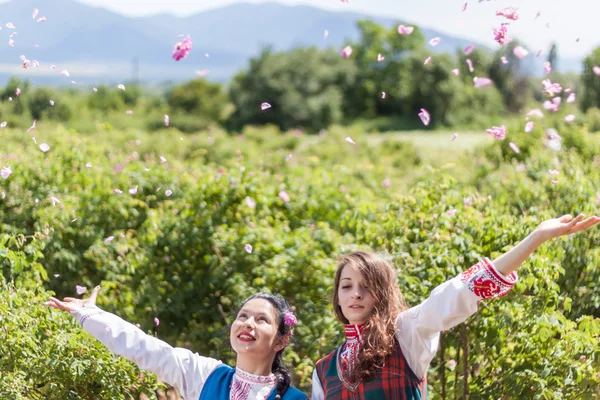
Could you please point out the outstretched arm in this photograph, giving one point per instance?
(455, 300)
(178, 367)
(550, 229)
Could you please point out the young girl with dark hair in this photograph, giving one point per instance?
(389, 346)
(259, 334)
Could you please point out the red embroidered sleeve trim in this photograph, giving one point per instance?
(486, 282)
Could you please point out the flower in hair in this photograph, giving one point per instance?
(290, 319)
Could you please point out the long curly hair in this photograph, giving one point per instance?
(378, 334)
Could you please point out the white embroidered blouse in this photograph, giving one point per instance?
(178, 367)
(418, 328)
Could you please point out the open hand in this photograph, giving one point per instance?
(565, 225)
(72, 304)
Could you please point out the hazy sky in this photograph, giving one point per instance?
(568, 19)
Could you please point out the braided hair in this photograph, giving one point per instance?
(277, 368)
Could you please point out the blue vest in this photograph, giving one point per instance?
(218, 386)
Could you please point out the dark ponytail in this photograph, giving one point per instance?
(277, 368)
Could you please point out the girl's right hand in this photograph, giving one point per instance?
(72, 304)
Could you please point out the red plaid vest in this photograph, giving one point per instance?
(394, 381)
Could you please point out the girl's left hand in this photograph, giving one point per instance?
(565, 225)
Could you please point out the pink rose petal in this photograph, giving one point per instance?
(454, 136)
(156, 322)
(498, 132)
(80, 289)
(265, 106)
(456, 71)
(166, 120)
(520, 52)
(349, 140)
(5, 172)
(383, 95)
(435, 41)
(284, 196)
(405, 30)
(469, 49)
(470, 65)
(44, 147)
(570, 118)
(427, 61)
(481, 82)
(380, 57)
(121, 86)
(529, 126)
(596, 70)
(248, 248)
(182, 49)
(425, 116)
(346, 51)
(571, 98)
(514, 147)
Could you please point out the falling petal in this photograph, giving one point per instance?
(386, 183)
(3, 124)
(349, 140)
(454, 136)
(5, 172)
(508, 13)
(456, 71)
(64, 72)
(80, 289)
(469, 49)
(129, 112)
(596, 70)
(10, 25)
(166, 120)
(383, 95)
(553, 182)
(520, 52)
(95, 89)
(118, 191)
(570, 118)
(288, 158)
(325, 34)
(464, 7)
(481, 82)
(265, 106)
(435, 41)
(248, 248)
(108, 239)
(133, 190)
(380, 57)
(553, 172)
(182, 49)
(529, 126)
(162, 159)
(425, 116)
(202, 72)
(51, 102)
(535, 112)
(405, 30)
(35, 13)
(54, 200)
(18, 92)
(284, 196)
(44, 147)
(156, 322)
(427, 61)
(498, 132)
(250, 202)
(168, 193)
(514, 147)
(41, 19)
(470, 65)
(346, 51)
(121, 86)
(503, 60)
(88, 165)
(451, 212)
(571, 98)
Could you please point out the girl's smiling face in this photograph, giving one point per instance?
(254, 330)
(355, 299)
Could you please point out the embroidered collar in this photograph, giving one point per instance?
(354, 332)
(247, 377)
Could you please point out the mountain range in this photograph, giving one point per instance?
(99, 46)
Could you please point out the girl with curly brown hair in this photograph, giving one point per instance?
(389, 346)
